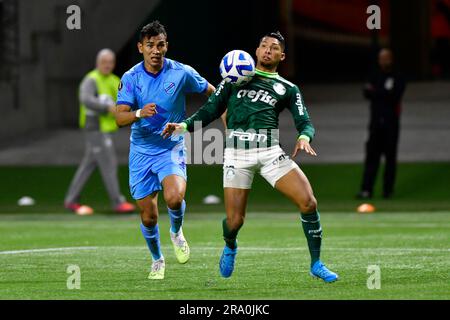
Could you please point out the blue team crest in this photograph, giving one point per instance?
(169, 87)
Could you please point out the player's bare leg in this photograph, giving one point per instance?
(174, 188)
(296, 187)
(235, 206)
(148, 207)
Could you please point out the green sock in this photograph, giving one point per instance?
(229, 235)
(313, 233)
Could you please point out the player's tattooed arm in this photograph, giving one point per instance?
(125, 116)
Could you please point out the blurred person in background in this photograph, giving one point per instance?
(97, 95)
(384, 90)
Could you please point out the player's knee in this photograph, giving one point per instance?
(236, 222)
(149, 221)
(309, 205)
(174, 200)
(149, 216)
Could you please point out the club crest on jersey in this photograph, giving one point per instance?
(279, 88)
(169, 87)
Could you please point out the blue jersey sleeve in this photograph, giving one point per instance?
(194, 82)
(126, 91)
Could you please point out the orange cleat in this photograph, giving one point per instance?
(125, 207)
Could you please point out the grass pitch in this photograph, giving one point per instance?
(411, 250)
(407, 238)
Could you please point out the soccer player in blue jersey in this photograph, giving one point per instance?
(151, 94)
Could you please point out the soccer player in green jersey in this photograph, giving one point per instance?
(252, 145)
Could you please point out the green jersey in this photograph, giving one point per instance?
(255, 107)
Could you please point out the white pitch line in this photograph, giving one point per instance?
(279, 249)
(47, 250)
(207, 248)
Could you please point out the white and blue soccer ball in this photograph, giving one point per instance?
(237, 67)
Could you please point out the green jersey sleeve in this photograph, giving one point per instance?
(298, 109)
(212, 109)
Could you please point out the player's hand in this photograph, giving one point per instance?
(149, 110)
(302, 144)
(172, 128)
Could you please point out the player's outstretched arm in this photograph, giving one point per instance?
(303, 144)
(173, 128)
(125, 116)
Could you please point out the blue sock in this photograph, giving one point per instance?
(176, 217)
(151, 235)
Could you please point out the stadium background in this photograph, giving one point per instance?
(329, 52)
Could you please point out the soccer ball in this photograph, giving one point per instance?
(237, 67)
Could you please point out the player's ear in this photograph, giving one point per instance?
(140, 47)
(283, 56)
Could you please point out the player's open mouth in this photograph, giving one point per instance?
(156, 59)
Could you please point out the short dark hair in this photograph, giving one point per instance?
(152, 29)
(277, 35)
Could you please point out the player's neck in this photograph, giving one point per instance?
(266, 74)
(265, 69)
(154, 69)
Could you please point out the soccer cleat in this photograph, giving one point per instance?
(81, 210)
(158, 268)
(180, 246)
(226, 263)
(124, 207)
(319, 271)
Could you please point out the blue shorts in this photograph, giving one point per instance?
(148, 171)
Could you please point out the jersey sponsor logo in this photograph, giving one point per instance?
(279, 88)
(248, 136)
(260, 95)
(219, 88)
(299, 103)
(169, 87)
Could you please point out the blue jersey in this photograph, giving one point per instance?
(167, 89)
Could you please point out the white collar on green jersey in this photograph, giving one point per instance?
(266, 74)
